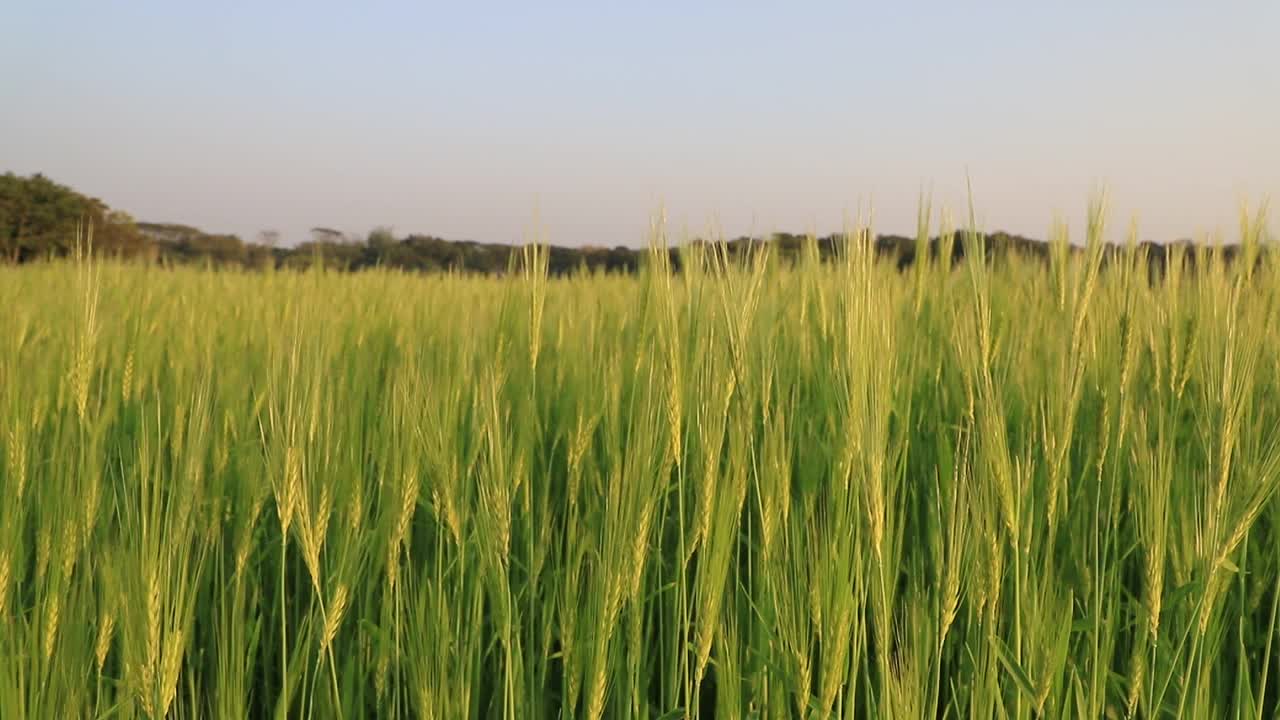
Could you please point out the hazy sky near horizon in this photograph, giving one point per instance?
(467, 120)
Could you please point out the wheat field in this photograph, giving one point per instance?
(744, 490)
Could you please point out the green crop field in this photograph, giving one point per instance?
(841, 489)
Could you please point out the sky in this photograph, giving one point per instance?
(578, 122)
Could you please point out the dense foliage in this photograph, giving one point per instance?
(39, 218)
(1018, 490)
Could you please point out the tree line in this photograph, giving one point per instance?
(41, 219)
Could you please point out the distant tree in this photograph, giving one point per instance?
(259, 257)
(381, 237)
(39, 217)
(327, 235)
(269, 238)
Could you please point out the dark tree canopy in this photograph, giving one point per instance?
(40, 218)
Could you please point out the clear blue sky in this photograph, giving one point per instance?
(462, 119)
